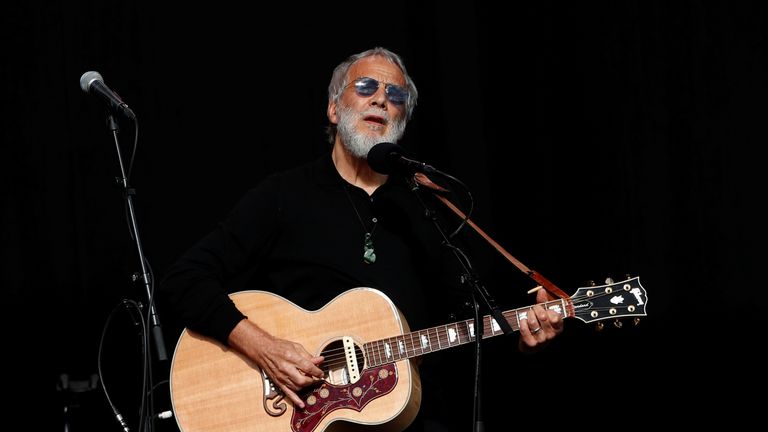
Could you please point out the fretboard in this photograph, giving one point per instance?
(450, 335)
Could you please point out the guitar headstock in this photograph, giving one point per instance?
(612, 300)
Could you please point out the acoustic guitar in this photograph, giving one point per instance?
(371, 382)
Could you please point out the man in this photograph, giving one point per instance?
(316, 231)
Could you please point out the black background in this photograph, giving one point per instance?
(600, 140)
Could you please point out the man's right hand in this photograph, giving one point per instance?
(289, 366)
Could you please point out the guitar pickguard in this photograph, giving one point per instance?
(325, 398)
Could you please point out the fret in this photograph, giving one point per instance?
(453, 335)
(557, 308)
(522, 315)
(371, 354)
(423, 342)
(387, 351)
(396, 348)
(374, 361)
(495, 327)
(378, 351)
(514, 324)
(401, 347)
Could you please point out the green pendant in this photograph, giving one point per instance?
(369, 256)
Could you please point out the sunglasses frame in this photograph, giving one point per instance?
(360, 83)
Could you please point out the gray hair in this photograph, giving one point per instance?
(339, 81)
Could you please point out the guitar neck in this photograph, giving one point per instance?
(446, 336)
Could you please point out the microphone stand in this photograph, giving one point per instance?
(146, 415)
(128, 193)
(478, 290)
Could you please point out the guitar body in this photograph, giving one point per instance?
(214, 388)
(371, 382)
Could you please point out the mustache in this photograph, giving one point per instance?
(375, 112)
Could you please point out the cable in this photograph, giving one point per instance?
(135, 147)
(127, 304)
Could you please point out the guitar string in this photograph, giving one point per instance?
(435, 338)
(433, 335)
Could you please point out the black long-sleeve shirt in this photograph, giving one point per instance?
(300, 234)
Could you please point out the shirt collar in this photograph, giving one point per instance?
(325, 174)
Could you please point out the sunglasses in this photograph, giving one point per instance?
(365, 87)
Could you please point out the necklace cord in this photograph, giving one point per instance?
(369, 254)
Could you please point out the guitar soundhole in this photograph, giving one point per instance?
(336, 367)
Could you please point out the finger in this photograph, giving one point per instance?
(542, 296)
(556, 321)
(292, 396)
(526, 323)
(535, 329)
(309, 367)
(289, 375)
(543, 318)
(297, 379)
(284, 383)
(318, 361)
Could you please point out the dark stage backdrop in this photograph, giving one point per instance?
(599, 140)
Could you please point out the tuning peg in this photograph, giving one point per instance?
(617, 323)
(591, 283)
(636, 321)
(599, 326)
(608, 280)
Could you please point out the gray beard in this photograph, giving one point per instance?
(360, 144)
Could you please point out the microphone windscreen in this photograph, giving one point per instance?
(88, 78)
(383, 156)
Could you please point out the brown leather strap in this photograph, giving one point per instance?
(423, 180)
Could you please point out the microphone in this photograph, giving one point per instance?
(92, 82)
(386, 158)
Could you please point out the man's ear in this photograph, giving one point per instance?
(332, 116)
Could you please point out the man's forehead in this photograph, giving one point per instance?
(378, 68)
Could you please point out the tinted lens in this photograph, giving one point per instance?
(368, 86)
(396, 94)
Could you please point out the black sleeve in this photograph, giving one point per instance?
(195, 287)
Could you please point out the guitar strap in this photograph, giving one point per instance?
(423, 180)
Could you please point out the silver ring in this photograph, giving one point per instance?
(536, 330)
